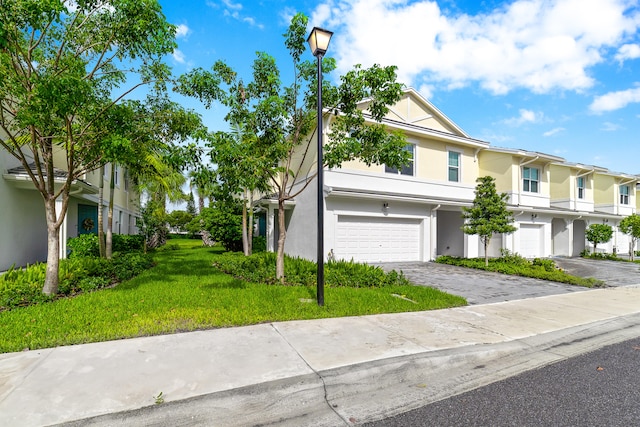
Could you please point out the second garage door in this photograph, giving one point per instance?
(530, 240)
(377, 239)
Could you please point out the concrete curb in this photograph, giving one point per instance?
(355, 394)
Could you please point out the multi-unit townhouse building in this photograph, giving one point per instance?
(377, 213)
(22, 216)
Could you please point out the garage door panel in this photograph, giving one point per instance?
(377, 239)
(530, 240)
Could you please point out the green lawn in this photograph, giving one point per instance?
(184, 292)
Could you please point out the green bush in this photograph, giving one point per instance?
(261, 268)
(125, 243)
(85, 245)
(539, 268)
(259, 244)
(546, 264)
(23, 286)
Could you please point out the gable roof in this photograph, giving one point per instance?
(414, 109)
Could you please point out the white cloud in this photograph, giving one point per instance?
(615, 100)
(231, 5)
(526, 116)
(610, 127)
(628, 51)
(182, 31)
(178, 56)
(553, 131)
(539, 45)
(233, 10)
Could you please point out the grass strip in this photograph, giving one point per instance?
(184, 292)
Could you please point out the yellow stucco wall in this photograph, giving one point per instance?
(499, 166)
(604, 191)
(561, 185)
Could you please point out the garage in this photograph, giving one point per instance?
(377, 239)
(530, 240)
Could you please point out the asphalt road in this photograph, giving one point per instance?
(601, 388)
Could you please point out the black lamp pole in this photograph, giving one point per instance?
(319, 42)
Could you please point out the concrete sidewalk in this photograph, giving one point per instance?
(329, 372)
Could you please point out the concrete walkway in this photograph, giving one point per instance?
(329, 372)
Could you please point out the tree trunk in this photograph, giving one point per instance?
(53, 250)
(486, 253)
(282, 234)
(100, 215)
(245, 239)
(109, 243)
(250, 228)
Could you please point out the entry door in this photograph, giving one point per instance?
(87, 219)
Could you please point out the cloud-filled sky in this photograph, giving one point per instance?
(557, 76)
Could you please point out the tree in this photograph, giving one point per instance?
(191, 205)
(60, 64)
(631, 226)
(242, 172)
(598, 233)
(281, 119)
(179, 220)
(488, 215)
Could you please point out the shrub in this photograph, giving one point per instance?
(259, 244)
(261, 267)
(125, 243)
(85, 245)
(539, 268)
(546, 264)
(23, 286)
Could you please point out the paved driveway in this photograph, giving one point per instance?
(483, 287)
(613, 273)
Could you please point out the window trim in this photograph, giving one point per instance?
(457, 168)
(624, 197)
(526, 182)
(581, 188)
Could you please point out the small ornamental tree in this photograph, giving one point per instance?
(598, 233)
(631, 226)
(488, 215)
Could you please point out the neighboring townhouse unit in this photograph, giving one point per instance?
(378, 214)
(22, 218)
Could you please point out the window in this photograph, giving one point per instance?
(580, 187)
(454, 166)
(530, 179)
(116, 175)
(406, 169)
(624, 194)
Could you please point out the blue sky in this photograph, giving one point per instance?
(560, 77)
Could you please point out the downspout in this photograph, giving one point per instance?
(521, 164)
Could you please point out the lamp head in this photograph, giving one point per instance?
(319, 41)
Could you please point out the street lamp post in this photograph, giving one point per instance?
(319, 42)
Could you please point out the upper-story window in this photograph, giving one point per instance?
(406, 169)
(454, 166)
(530, 179)
(116, 175)
(581, 187)
(624, 194)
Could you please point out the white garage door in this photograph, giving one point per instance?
(377, 239)
(530, 240)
